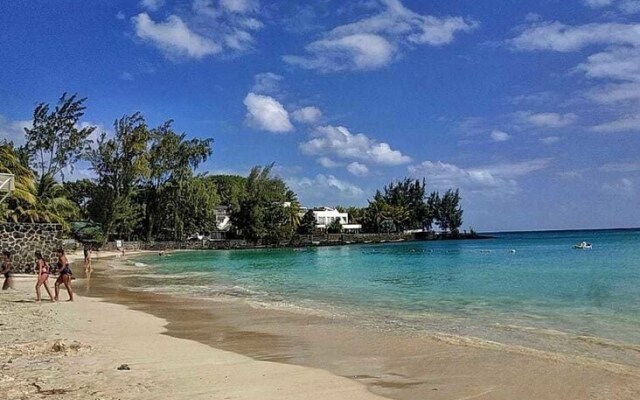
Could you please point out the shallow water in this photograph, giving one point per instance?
(546, 295)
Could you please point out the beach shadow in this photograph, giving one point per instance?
(23, 301)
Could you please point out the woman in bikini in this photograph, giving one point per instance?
(64, 274)
(43, 276)
(5, 269)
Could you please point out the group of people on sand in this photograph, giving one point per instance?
(44, 270)
(64, 275)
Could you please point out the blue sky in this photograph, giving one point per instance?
(532, 108)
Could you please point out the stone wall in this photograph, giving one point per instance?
(23, 240)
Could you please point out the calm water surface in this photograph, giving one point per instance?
(545, 294)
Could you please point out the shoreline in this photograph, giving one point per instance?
(327, 240)
(73, 350)
(391, 365)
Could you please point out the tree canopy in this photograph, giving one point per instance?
(147, 186)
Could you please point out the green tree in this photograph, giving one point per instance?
(56, 140)
(34, 200)
(230, 188)
(375, 215)
(80, 193)
(120, 163)
(399, 206)
(334, 227)
(172, 161)
(52, 203)
(433, 210)
(401, 217)
(307, 224)
(292, 210)
(450, 213)
(407, 201)
(261, 213)
(88, 233)
(21, 204)
(200, 198)
(276, 224)
(356, 215)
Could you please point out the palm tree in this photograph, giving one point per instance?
(375, 215)
(293, 211)
(41, 201)
(400, 216)
(24, 198)
(52, 204)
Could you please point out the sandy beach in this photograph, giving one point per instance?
(187, 348)
(72, 351)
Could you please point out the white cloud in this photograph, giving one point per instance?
(550, 140)
(232, 22)
(267, 83)
(358, 169)
(615, 92)
(500, 136)
(354, 52)
(624, 124)
(120, 16)
(397, 20)
(13, 131)
(307, 115)
(266, 113)
(598, 3)
(339, 142)
(556, 36)
(174, 37)
(626, 6)
(152, 5)
(239, 6)
(327, 162)
(325, 189)
(206, 29)
(126, 76)
(373, 42)
(491, 180)
(547, 120)
(621, 64)
(614, 70)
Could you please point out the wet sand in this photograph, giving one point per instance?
(77, 350)
(391, 364)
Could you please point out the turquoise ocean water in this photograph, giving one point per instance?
(545, 295)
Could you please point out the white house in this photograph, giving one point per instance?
(325, 216)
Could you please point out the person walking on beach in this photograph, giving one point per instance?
(87, 260)
(43, 276)
(5, 269)
(64, 274)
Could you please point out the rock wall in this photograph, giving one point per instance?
(23, 240)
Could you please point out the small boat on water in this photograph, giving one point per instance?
(583, 246)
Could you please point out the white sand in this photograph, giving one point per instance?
(94, 338)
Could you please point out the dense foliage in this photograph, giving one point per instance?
(405, 205)
(267, 208)
(146, 187)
